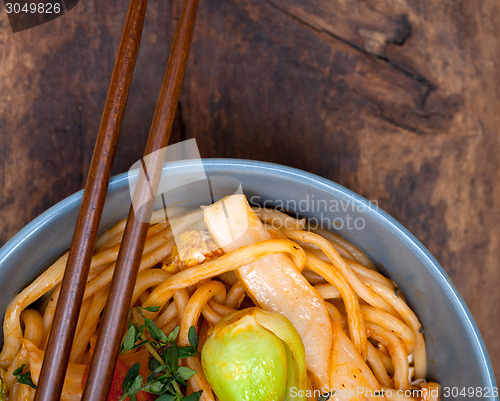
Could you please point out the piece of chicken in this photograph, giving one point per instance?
(274, 282)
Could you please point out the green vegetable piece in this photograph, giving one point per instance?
(151, 308)
(254, 355)
(296, 355)
(130, 339)
(325, 397)
(173, 334)
(193, 337)
(192, 397)
(185, 373)
(132, 382)
(166, 397)
(166, 376)
(3, 396)
(24, 378)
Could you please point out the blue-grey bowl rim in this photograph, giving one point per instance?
(378, 214)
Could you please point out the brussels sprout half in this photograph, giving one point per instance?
(254, 355)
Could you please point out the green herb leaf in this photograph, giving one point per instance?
(150, 308)
(130, 339)
(155, 332)
(193, 397)
(185, 373)
(19, 370)
(166, 397)
(187, 351)
(24, 378)
(173, 334)
(172, 357)
(130, 377)
(193, 338)
(157, 371)
(326, 396)
(158, 386)
(152, 329)
(166, 377)
(136, 386)
(153, 364)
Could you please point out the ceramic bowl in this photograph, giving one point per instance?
(457, 356)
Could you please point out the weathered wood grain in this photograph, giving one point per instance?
(397, 100)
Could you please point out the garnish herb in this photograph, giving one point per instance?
(3, 396)
(166, 375)
(24, 378)
(150, 308)
(193, 338)
(396, 290)
(326, 396)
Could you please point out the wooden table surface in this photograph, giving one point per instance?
(397, 100)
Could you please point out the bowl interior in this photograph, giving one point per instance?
(456, 353)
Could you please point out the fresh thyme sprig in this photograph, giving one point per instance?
(24, 378)
(166, 374)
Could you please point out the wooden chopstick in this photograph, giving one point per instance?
(114, 319)
(82, 247)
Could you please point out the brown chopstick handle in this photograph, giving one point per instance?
(113, 322)
(61, 337)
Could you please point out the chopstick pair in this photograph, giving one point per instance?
(73, 285)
